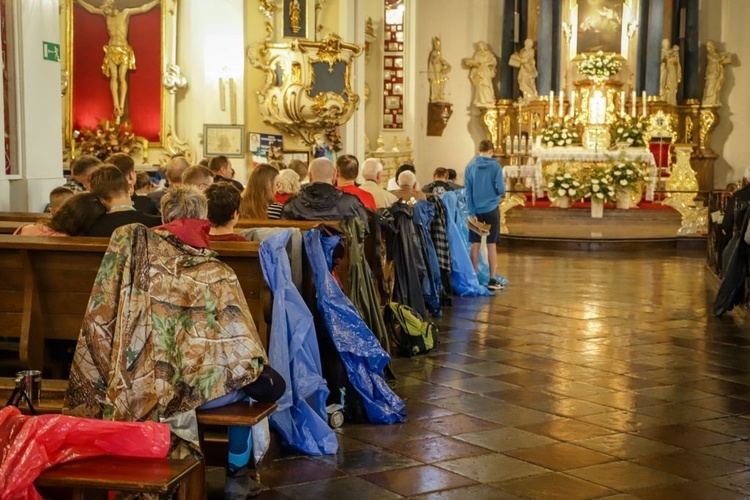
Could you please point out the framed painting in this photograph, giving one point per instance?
(601, 25)
(227, 140)
(112, 77)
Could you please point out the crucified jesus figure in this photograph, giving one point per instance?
(118, 54)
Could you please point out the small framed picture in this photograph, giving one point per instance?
(399, 118)
(399, 74)
(388, 62)
(387, 74)
(392, 102)
(393, 47)
(227, 140)
(400, 36)
(398, 89)
(303, 156)
(399, 62)
(387, 86)
(387, 119)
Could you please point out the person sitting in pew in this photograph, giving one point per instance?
(57, 197)
(319, 200)
(372, 171)
(347, 170)
(80, 173)
(258, 201)
(199, 176)
(286, 186)
(223, 211)
(168, 330)
(111, 187)
(408, 189)
(74, 218)
(126, 165)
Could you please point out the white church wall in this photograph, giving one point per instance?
(210, 47)
(459, 28)
(725, 22)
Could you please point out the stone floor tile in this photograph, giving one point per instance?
(296, 471)
(732, 426)
(478, 385)
(567, 429)
(624, 476)
(692, 465)
(553, 486)
(691, 489)
(736, 451)
(436, 449)
(626, 446)
(504, 439)
(560, 456)
(418, 410)
(685, 436)
(466, 402)
(478, 492)
(739, 482)
(417, 480)
(622, 421)
(338, 488)
(512, 415)
(366, 460)
(491, 468)
(456, 424)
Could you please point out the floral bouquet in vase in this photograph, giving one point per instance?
(628, 178)
(599, 65)
(628, 131)
(562, 187)
(105, 139)
(558, 134)
(601, 189)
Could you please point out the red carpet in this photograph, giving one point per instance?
(545, 203)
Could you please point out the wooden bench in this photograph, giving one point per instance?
(47, 283)
(10, 226)
(112, 473)
(25, 217)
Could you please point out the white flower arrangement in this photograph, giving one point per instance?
(599, 65)
(628, 130)
(564, 184)
(558, 134)
(601, 186)
(627, 175)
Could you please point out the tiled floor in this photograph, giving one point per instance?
(593, 375)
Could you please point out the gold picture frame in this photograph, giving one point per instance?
(227, 140)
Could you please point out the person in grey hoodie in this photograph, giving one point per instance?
(484, 187)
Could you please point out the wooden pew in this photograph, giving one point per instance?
(47, 282)
(10, 226)
(23, 216)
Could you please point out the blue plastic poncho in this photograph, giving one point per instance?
(363, 357)
(463, 277)
(301, 417)
(424, 211)
(462, 211)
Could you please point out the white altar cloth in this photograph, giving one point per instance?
(579, 154)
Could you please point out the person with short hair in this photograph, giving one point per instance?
(221, 166)
(198, 176)
(347, 170)
(372, 172)
(483, 190)
(223, 211)
(408, 188)
(126, 165)
(143, 185)
(301, 168)
(393, 182)
(452, 177)
(286, 185)
(73, 218)
(111, 187)
(439, 184)
(173, 173)
(257, 198)
(319, 200)
(57, 197)
(80, 173)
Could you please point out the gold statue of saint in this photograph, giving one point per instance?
(118, 54)
(295, 14)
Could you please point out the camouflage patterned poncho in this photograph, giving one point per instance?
(167, 328)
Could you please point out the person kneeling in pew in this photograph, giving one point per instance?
(167, 330)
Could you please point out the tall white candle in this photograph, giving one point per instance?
(644, 98)
(508, 150)
(551, 102)
(562, 102)
(571, 109)
(632, 104)
(622, 102)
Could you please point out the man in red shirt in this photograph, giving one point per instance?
(347, 168)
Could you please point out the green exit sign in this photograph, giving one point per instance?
(51, 51)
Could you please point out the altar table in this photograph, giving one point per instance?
(545, 156)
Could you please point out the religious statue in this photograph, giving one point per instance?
(714, 73)
(525, 61)
(482, 70)
(119, 57)
(671, 72)
(437, 72)
(295, 13)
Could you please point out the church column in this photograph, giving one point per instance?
(508, 45)
(548, 46)
(37, 145)
(653, 46)
(352, 17)
(691, 83)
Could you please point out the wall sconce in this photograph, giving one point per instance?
(223, 83)
(438, 114)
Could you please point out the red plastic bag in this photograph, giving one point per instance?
(29, 445)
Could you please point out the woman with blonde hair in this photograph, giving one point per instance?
(257, 198)
(286, 186)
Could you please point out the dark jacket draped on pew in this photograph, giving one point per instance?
(735, 262)
(409, 266)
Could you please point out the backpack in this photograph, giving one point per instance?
(411, 334)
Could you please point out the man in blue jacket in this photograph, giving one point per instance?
(484, 187)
